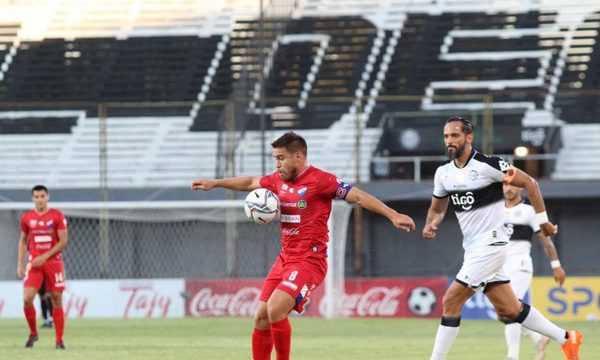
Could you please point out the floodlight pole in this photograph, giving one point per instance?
(104, 243)
(358, 213)
(488, 125)
(261, 79)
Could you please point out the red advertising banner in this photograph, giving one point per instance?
(381, 297)
(222, 297)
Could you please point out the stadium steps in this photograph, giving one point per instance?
(579, 158)
(327, 150)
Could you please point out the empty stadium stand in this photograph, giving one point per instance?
(328, 68)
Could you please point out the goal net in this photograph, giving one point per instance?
(183, 239)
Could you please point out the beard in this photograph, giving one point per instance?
(458, 152)
(289, 175)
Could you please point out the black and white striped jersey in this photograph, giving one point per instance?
(520, 224)
(476, 196)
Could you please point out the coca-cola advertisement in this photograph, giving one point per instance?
(385, 297)
(222, 297)
(381, 297)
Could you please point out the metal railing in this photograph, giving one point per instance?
(382, 164)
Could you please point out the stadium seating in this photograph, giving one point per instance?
(578, 158)
(529, 58)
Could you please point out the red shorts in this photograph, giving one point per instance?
(52, 272)
(297, 277)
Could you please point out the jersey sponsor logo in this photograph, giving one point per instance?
(302, 204)
(32, 223)
(290, 218)
(302, 191)
(290, 232)
(465, 201)
(288, 204)
(42, 238)
(41, 223)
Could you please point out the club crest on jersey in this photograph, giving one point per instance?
(302, 191)
(302, 204)
(50, 223)
(473, 174)
(504, 166)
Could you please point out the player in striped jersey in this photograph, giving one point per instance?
(520, 225)
(472, 183)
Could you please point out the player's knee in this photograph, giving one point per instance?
(451, 304)
(506, 311)
(261, 320)
(27, 302)
(56, 298)
(28, 299)
(277, 310)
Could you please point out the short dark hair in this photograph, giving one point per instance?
(292, 142)
(467, 126)
(39, 188)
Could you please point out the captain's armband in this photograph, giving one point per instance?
(510, 175)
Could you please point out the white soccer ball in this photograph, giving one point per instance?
(262, 206)
(421, 301)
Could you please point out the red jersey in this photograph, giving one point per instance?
(42, 231)
(305, 205)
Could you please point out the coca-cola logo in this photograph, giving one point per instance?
(145, 301)
(290, 232)
(243, 302)
(376, 301)
(75, 306)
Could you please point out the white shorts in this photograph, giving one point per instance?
(520, 270)
(482, 266)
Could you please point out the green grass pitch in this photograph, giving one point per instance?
(314, 339)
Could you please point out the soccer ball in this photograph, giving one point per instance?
(262, 206)
(421, 301)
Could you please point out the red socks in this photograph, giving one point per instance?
(58, 315)
(281, 332)
(262, 344)
(31, 318)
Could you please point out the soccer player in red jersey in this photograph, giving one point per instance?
(44, 233)
(305, 194)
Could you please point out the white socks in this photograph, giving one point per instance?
(512, 333)
(535, 321)
(443, 341)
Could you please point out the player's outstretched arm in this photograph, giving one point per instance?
(245, 183)
(21, 255)
(557, 270)
(435, 215)
(371, 203)
(519, 178)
